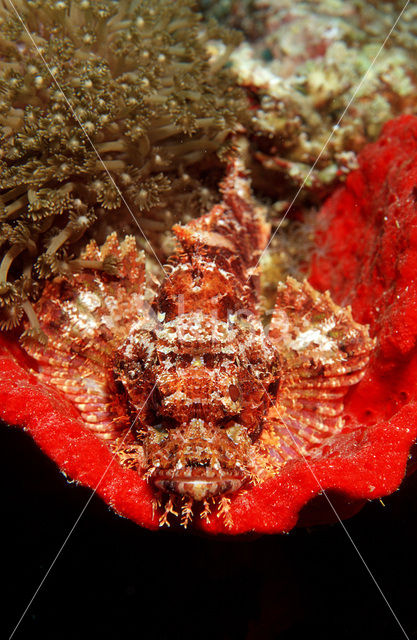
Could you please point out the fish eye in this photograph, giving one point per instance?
(234, 392)
(273, 388)
(155, 399)
(160, 432)
(164, 424)
(229, 422)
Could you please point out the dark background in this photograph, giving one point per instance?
(116, 580)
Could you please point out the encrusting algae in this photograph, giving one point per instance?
(303, 63)
(118, 100)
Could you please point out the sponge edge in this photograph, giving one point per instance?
(56, 427)
(367, 256)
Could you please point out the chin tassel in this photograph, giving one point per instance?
(206, 511)
(224, 510)
(169, 508)
(186, 513)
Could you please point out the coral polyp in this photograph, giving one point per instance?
(102, 106)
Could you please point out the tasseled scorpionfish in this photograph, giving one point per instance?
(183, 383)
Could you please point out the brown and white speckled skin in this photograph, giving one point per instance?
(210, 359)
(213, 401)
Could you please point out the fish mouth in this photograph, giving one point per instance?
(198, 486)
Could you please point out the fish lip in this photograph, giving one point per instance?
(197, 485)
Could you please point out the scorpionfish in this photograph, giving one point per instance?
(181, 380)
